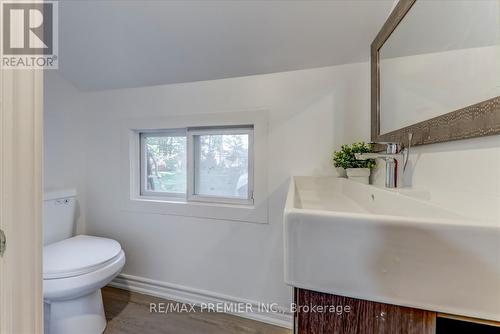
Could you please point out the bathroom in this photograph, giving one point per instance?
(181, 168)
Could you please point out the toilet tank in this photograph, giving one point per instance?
(58, 215)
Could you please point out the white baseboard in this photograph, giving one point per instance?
(198, 297)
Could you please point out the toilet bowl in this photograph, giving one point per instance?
(74, 271)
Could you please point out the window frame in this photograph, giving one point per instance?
(143, 191)
(129, 175)
(192, 163)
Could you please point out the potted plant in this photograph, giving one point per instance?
(357, 170)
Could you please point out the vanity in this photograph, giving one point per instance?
(390, 259)
(395, 258)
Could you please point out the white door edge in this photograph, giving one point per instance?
(21, 139)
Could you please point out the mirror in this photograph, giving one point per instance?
(436, 72)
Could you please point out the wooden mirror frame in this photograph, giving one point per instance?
(477, 120)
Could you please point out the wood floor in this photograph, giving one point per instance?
(128, 313)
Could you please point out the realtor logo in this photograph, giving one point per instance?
(29, 34)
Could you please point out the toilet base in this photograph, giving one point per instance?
(83, 315)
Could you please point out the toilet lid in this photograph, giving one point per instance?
(77, 256)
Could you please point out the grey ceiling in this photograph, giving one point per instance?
(120, 44)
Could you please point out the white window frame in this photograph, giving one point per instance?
(129, 167)
(192, 163)
(144, 192)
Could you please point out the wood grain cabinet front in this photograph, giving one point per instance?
(321, 313)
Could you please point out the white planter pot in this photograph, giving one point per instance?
(361, 175)
(340, 172)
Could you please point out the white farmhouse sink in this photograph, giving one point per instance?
(371, 243)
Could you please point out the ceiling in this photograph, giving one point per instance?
(121, 44)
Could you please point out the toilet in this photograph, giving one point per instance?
(75, 268)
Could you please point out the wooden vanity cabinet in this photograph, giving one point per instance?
(363, 316)
(322, 313)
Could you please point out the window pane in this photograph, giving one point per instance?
(222, 165)
(165, 164)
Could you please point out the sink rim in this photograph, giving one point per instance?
(460, 221)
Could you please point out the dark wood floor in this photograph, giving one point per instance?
(128, 313)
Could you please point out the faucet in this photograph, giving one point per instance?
(394, 163)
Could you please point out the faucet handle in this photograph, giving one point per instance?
(390, 147)
(383, 142)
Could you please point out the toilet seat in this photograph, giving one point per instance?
(74, 304)
(78, 256)
(58, 289)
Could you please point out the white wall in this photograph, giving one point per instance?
(64, 149)
(308, 111)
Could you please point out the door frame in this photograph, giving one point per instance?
(21, 198)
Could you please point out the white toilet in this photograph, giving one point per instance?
(74, 269)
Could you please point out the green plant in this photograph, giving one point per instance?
(345, 157)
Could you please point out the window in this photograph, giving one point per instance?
(163, 165)
(221, 162)
(216, 170)
(198, 164)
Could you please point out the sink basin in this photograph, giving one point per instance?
(389, 246)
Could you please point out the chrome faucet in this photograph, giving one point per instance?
(394, 163)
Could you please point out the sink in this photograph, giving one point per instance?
(390, 246)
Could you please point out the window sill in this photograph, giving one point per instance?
(181, 207)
